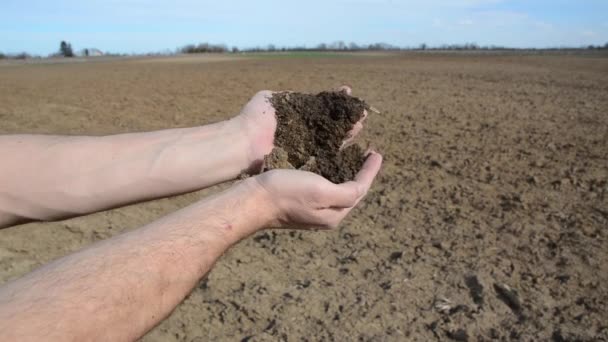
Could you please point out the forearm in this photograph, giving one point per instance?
(53, 177)
(126, 285)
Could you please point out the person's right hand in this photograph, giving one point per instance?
(300, 199)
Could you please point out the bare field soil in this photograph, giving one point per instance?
(488, 221)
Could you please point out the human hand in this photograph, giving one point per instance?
(300, 199)
(258, 119)
(358, 126)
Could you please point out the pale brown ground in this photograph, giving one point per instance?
(495, 166)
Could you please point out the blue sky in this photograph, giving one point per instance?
(136, 26)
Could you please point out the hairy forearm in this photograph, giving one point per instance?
(120, 288)
(55, 177)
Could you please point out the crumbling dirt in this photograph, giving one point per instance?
(311, 130)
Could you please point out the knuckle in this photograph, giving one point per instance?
(333, 224)
(353, 201)
(264, 93)
(356, 192)
(317, 194)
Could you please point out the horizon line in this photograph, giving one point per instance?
(345, 47)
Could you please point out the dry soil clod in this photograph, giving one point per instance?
(311, 130)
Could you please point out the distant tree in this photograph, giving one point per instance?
(188, 48)
(339, 45)
(379, 47)
(271, 48)
(22, 55)
(235, 49)
(204, 48)
(471, 46)
(423, 46)
(2, 56)
(353, 46)
(322, 46)
(86, 52)
(65, 49)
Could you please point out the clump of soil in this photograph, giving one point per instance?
(310, 132)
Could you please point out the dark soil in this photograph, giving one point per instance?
(310, 132)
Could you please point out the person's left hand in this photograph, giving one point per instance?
(258, 118)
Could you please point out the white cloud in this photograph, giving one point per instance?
(589, 33)
(466, 22)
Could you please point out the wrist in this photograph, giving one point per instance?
(234, 138)
(257, 206)
(238, 129)
(258, 140)
(233, 214)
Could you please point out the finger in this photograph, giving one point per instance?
(347, 195)
(261, 97)
(352, 134)
(370, 169)
(265, 93)
(356, 129)
(345, 89)
(364, 116)
(333, 217)
(343, 195)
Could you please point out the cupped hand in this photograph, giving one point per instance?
(300, 199)
(259, 121)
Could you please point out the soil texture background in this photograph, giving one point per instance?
(489, 220)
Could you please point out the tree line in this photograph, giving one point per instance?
(342, 46)
(65, 48)
(336, 46)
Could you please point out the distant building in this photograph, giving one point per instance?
(91, 53)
